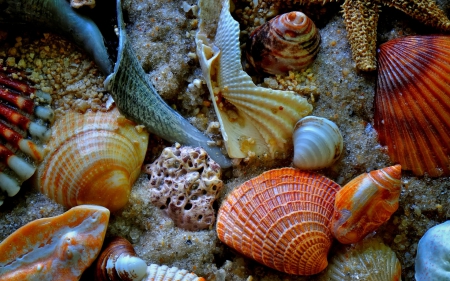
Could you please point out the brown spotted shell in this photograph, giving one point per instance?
(288, 42)
(412, 103)
(281, 219)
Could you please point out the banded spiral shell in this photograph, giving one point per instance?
(281, 219)
(23, 129)
(288, 42)
(94, 158)
(60, 247)
(318, 143)
(433, 254)
(412, 103)
(119, 262)
(254, 121)
(368, 260)
(365, 203)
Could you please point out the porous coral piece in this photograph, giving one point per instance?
(185, 182)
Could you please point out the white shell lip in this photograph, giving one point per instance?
(318, 143)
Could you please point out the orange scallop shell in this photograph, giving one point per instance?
(412, 103)
(281, 219)
(365, 203)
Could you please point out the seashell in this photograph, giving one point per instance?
(288, 42)
(139, 101)
(369, 259)
(23, 128)
(54, 247)
(119, 262)
(254, 121)
(365, 203)
(318, 143)
(412, 103)
(164, 273)
(433, 253)
(281, 219)
(94, 158)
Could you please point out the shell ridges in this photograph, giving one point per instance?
(281, 219)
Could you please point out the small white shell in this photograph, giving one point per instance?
(318, 143)
(164, 273)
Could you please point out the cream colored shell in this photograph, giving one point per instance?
(164, 273)
(254, 120)
(368, 260)
(318, 143)
(94, 158)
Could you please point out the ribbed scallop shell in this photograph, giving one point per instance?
(23, 128)
(56, 248)
(254, 120)
(318, 143)
(94, 158)
(119, 262)
(368, 260)
(281, 219)
(412, 103)
(365, 203)
(288, 42)
(164, 273)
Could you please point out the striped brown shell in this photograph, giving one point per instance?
(412, 103)
(281, 219)
(287, 42)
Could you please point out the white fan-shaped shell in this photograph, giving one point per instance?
(164, 273)
(318, 143)
(369, 260)
(253, 119)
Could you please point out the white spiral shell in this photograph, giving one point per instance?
(318, 143)
(164, 273)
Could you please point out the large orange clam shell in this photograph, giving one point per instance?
(412, 103)
(57, 248)
(365, 203)
(281, 219)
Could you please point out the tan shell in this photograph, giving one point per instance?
(253, 120)
(368, 260)
(94, 158)
(281, 219)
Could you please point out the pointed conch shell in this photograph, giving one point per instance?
(281, 219)
(318, 143)
(254, 120)
(94, 158)
(433, 254)
(288, 42)
(119, 262)
(412, 103)
(365, 203)
(369, 259)
(164, 273)
(60, 247)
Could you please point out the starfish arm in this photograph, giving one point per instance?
(361, 19)
(425, 11)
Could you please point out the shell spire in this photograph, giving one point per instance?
(119, 262)
(365, 203)
(288, 42)
(281, 219)
(59, 247)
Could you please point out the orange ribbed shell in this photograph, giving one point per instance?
(412, 103)
(365, 203)
(281, 219)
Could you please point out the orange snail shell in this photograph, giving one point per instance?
(287, 42)
(281, 219)
(365, 203)
(412, 103)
